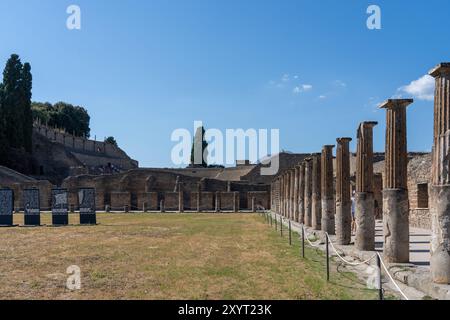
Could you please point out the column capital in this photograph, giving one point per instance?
(343, 140)
(440, 69)
(369, 124)
(329, 146)
(395, 103)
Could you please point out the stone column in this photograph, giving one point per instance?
(395, 190)
(199, 197)
(288, 193)
(364, 198)
(328, 204)
(301, 193)
(286, 202)
(281, 195)
(180, 201)
(296, 195)
(292, 193)
(440, 188)
(343, 202)
(236, 201)
(218, 201)
(308, 192)
(316, 211)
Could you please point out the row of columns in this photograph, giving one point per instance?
(308, 196)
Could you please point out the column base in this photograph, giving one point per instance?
(343, 223)
(316, 213)
(440, 236)
(396, 225)
(365, 221)
(328, 222)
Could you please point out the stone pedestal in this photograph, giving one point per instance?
(396, 225)
(365, 221)
(440, 237)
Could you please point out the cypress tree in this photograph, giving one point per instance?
(26, 86)
(12, 111)
(199, 143)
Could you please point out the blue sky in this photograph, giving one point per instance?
(145, 68)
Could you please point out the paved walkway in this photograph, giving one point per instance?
(419, 248)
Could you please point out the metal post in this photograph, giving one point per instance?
(328, 259)
(303, 241)
(380, 283)
(290, 234)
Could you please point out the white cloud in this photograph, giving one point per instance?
(322, 96)
(302, 88)
(421, 89)
(340, 83)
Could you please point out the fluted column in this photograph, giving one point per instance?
(291, 194)
(364, 200)
(301, 193)
(296, 184)
(281, 195)
(395, 189)
(343, 201)
(308, 192)
(316, 211)
(327, 184)
(440, 188)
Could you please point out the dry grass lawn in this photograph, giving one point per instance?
(165, 256)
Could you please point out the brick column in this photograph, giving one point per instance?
(316, 211)
(343, 201)
(364, 199)
(395, 190)
(308, 192)
(440, 189)
(328, 204)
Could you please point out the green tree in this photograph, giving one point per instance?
(26, 87)
(73, 119)
(3, 140)
(111, 140)
(12, 111)
(199, 145)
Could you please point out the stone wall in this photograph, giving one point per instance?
(262, 199)
(420, 218)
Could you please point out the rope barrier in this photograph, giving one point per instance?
(346, 261)
(392, 279)
(353, 263)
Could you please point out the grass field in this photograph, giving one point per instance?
(155, 256)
